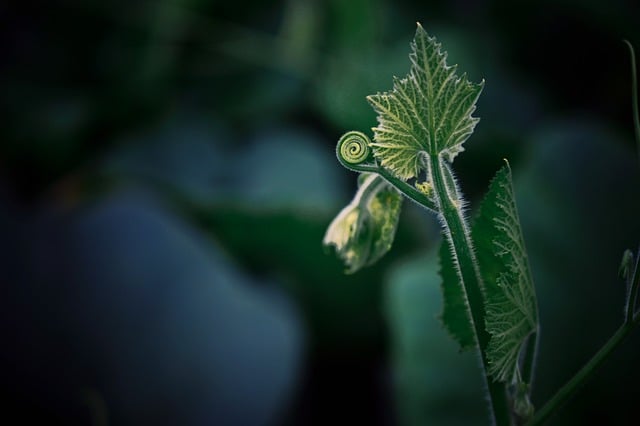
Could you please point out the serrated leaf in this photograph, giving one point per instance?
(456, 314)
(511, 307)
(427, 113)
(364, 230)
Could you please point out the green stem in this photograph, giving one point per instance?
(528, 364)
(565, 392)
(407, 190)
(630, 304)
(459, 239)
(634, 95)
(631, 319)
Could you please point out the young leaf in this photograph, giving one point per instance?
(427, 113)
(511, 307)
(456, 314)
(364, 230)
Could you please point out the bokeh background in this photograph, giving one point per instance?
(167, 172)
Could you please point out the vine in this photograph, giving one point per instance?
(489, 296)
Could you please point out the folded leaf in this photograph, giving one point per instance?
(364, 230)
(456, 313)
(511, 307)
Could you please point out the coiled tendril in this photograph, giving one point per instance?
(353, 148)
(354, 152)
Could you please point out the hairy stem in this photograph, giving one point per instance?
(567, 391)
(407, 190)
(459, 240)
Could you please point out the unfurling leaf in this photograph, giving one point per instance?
(363, 231)
(456, 314)
(511, 307)
(427, 113)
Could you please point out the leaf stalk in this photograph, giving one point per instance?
(632, 296)
(634, 95)
(573, 385)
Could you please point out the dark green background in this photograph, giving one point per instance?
(167, 174)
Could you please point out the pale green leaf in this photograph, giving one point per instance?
(456, 313)
(364, 230)
(511, 307)
(427, 113)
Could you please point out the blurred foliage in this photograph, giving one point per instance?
(578, 216)
(429, 373)
(167, 174)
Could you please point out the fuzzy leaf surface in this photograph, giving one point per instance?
(456, 314)
(427, 113)
(511, 307)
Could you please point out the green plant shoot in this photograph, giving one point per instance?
(489, 297)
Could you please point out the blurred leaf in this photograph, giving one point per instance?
(140, 307)
(430, 375)
(354, 24)
(344, 81)
(285, 168)
(340, 309)
(196, 159)
(185, 154)
(578, 202)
